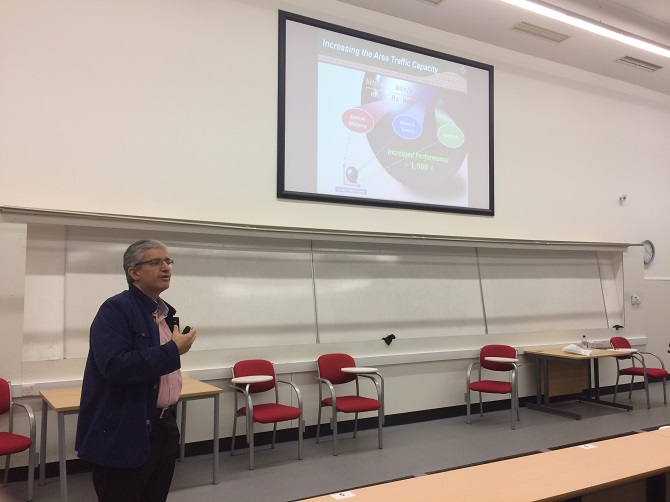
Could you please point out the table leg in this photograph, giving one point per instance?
(182, 441)
(43, 442)
(215, 475)
(596, 376)
(538, 380)
(596, 387)
(543, 405)
(546, 381)
(61, 457)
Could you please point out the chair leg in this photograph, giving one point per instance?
(467, 404)
(274, 435)
(6, 469)
(481, 406)
(251, 443)
(355, 423)
(31, 471)
(334, 427)
(630, 388)
(318, 423)
(232, 440)
(380, 425)
(646, 389)
(665, 396)
(512, 400)
(301, 428)
(516, 401)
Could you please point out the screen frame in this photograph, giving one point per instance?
(284, 193)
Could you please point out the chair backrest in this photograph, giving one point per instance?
(252, 367)
(330, 365)
(619, 342)
(496, 351)
(5, 396)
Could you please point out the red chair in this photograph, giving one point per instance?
(637, 357)
(264, 413)
(15, 443)
(495, 358)
(331, 374)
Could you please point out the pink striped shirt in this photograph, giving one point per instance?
(169, 388)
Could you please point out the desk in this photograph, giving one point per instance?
(563, 474)
(545, 356)
(66, 402)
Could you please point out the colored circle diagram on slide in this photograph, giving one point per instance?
(415, 137)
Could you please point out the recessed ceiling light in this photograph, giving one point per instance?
(543, 33)
(638, 63)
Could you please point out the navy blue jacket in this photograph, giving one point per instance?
(120, 388)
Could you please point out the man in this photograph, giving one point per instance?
(127, 425)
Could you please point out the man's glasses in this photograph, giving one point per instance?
(156, 262)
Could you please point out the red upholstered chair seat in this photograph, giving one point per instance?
(13, 443)
(353, 404)
(639, 371)
(492, 387)
(270, 413)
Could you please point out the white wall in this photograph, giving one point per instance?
(168, 109)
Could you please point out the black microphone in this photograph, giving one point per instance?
(389, 339)
(172, 322)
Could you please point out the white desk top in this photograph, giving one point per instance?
(625, 351)
(252, 379)
(359, 370)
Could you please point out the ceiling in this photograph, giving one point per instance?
(492, 21)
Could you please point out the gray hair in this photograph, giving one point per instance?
(135, 252)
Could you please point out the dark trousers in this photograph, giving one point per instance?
(150, 482)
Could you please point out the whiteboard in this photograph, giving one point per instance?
(249, 291)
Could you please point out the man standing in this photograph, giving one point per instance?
(127, 425)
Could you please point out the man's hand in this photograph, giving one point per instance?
(183, 341)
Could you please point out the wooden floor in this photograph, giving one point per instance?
(409, 450)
